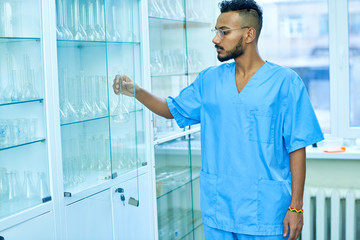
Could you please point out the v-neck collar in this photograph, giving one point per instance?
(249, 82)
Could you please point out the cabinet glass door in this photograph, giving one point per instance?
(100, 131)
(84, 111)
(195, 155)
(123, 58)
(200, 19)
(24, 167)
(173, 189)
(167, 56)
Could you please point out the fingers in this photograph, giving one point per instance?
(285, 228)
(116, 85)
(295, 232)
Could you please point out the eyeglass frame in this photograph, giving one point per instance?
(221, 33)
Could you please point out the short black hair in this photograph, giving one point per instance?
(244, 6)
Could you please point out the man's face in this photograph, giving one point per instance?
(232, 45)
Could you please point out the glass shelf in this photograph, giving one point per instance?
(169, 75)
(20, 102)
(167, 19)
(85, 180)
(89, 42)
(83, 121)
(17, 39)
(197, 24)
(122, 42)
(96, 118)
(11, 206)
(79, 43)
(2, 148)
(182, 184)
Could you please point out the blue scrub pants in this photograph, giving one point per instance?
(216, 234)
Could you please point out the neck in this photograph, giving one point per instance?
(249, 62)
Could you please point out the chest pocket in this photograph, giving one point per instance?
(262, 126)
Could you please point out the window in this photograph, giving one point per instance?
(300, 40)
(354, 62)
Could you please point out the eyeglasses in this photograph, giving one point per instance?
(221, 33)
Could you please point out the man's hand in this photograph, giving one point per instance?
(295, 221)
(124, 85)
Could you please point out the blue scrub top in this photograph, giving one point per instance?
(246, 139)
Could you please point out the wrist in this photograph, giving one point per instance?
(296, 204)
(296, 210)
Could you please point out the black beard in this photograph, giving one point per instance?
(234, 53)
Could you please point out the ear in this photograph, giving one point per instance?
(250, 35)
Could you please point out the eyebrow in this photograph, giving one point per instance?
(222, 27)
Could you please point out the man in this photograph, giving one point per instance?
(256, 120)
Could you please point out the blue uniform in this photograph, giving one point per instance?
(246, 139)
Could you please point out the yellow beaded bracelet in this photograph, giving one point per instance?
(296, 210)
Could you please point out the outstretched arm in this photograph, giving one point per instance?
(157, 105)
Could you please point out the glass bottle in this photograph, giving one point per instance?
(85, 110)
(43, 187)
(66, 33)
(121, 114)
(29, 91)
(30, 190)
(99, 17)
(115, 36)
(90, 29)
(67, 110)
(4, 184)
(15, 189)
(78, 30)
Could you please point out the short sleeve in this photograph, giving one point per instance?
(186, 107)
(301, 127)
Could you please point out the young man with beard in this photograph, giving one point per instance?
(256, 120)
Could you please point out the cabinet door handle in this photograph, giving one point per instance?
(133, 201)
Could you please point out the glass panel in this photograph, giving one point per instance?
(295, 34)
(82, 81)
(122, 21)
(80, 20)
(167, 59)
(195, 153)
(169, 9)
(200, 10)
(199, 233)
(20, 19)
(123, 58)
(164, 87)
(173, 188)
(83, 90)
(86, 154)
(172, 165)
(354, 52)
(24, 167)
(167, 47)
(175, 214)
(201, 51)
(21, 70)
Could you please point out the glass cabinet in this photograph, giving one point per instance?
(24, 167)
(102, 133)
(180, 48)
(178, 164)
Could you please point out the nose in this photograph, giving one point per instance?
(216, 39)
